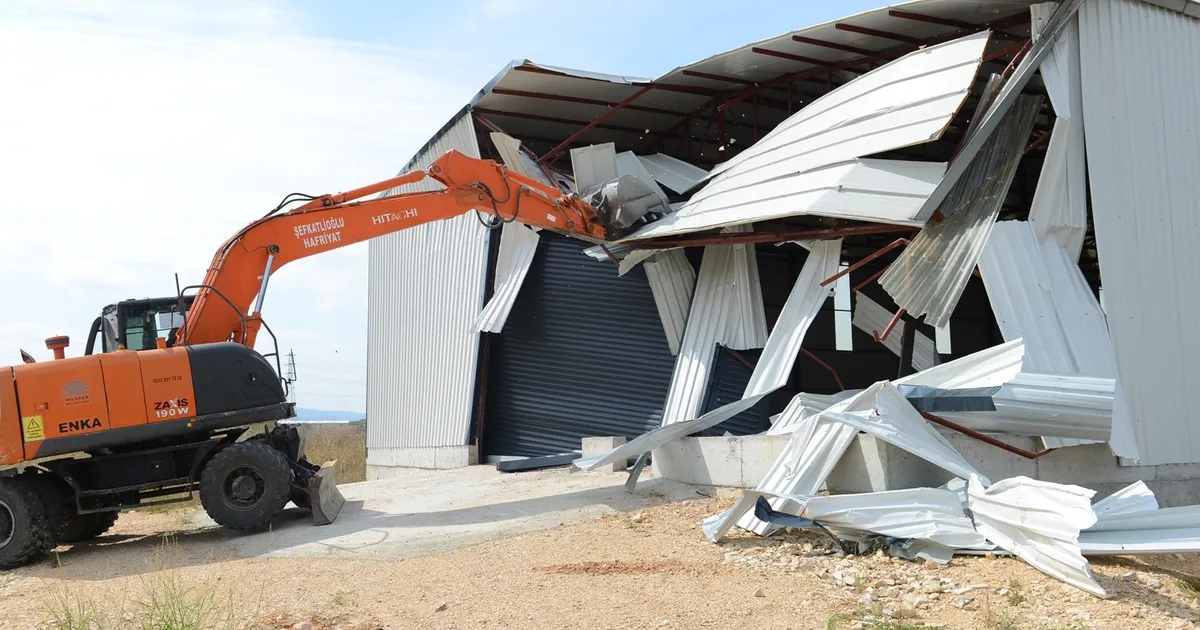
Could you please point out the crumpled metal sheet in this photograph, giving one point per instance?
(986, 368)
(1132, 529)
(746, 327)
(1136, 497)
(928, 278)
(707, 321)
(896, 422)
(672, 173)
(870, 317)
(819, 440)
(518, 244)
(810, 163)
(1059, 207)
(1039, 522)
(1047, 405)
(930, 514)
(805, 300)
(672, 281)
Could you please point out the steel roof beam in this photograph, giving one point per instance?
(835, 46)
(998, 26)
(862, 30)
(891, 53)
(585, 101)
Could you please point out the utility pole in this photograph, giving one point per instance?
(291, 375)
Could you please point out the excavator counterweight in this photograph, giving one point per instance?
(163, 400)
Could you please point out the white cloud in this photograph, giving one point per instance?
(139, 135)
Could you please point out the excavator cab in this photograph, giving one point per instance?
(135, 324)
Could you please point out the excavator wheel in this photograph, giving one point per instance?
(81, 527)
(55, 496)
(64, 524)
(245, 485)
(24, 536)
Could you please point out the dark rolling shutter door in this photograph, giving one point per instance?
(582, 353)
(727, 385)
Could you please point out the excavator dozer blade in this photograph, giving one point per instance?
(324, 497)
(624, 203)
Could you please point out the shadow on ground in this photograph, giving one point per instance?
(359, 532)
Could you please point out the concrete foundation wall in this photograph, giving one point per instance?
(739, 462)
(383, 463)
(873, 465)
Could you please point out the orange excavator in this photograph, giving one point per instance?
(165, 406)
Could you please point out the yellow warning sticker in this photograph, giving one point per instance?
(32, 426)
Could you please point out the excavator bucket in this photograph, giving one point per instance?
(624, 204)
(323, 495)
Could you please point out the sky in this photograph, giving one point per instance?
(139, 134)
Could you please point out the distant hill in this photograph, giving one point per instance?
(304, 414)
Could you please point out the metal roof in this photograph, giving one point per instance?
(543, 105)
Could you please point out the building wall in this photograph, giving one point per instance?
(1141, 106)
(425, 289)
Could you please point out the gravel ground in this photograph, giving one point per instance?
(649, 569)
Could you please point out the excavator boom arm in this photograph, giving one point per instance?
(244, 263)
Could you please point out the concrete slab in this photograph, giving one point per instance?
(420, 512)
(734, 461)
(601, 446)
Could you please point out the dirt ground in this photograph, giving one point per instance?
(647, 569)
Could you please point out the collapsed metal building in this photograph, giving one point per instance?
(958, 175)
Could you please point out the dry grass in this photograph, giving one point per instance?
(347, 443)
(167, 597)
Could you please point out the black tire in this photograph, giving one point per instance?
(24, 536)
(57, 504)
(81, 527)
(245, 485)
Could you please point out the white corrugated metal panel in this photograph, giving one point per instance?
(819, 441)
(1022, 297)
(775, 364)
(808, 163)
(1038, 521)
(746, 328)
(990, 367)
(810, 456)
(1149, 531)
(1038, 293)
(425, 288)
(928, 278)
(1136, 497)
(877, 100)
(1140, 542)
(1055, 405)
(930, 514)
(870, 317)
(1059, 208)
(593, 165)
(886, 191)
(673, 173)
(706, 324)
(1141, 87)
(629, 164)
(515, 159)
(672, 280)
(895, 421)
(518, 244)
